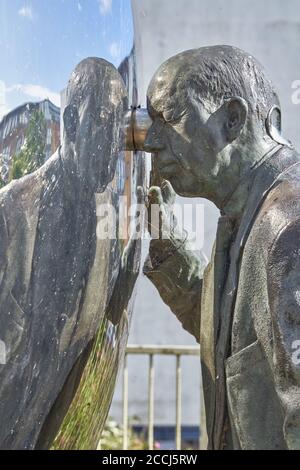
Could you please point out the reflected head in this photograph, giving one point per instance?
(96, 100)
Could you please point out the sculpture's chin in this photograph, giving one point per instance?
(182, 189)
(177, 186)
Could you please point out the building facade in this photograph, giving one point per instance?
(13, 131)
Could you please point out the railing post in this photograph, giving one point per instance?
(151, 404)
(151, 351)
(125, 404)
(178, 402)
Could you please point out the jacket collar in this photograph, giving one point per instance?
(230, 203)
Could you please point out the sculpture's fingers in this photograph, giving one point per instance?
(140, 194)
(155, 204)
(168, 192)
(155, 195)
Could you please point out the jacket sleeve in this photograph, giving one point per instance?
(176, 272)
(283, 283)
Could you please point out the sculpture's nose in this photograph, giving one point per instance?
(153, 142)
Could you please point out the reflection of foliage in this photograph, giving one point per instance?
(2, 183)
(32, 154)
(112, 438)
(83, 424)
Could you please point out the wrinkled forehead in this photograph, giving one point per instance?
(163, 95)
(167, 90)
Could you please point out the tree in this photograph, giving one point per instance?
(32, 153)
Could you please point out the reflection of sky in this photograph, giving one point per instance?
(41, 41)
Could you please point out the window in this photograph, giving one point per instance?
(6, 154)
(49, 136)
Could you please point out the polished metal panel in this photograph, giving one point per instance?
(73, 323)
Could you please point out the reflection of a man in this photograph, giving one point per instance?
(49, 258)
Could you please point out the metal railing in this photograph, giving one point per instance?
(151, 351)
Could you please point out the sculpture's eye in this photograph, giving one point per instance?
(173, 116)
(167, 115)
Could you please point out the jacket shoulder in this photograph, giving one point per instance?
(280, 211)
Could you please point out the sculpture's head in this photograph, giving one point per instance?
(208, 106)
(95, 104)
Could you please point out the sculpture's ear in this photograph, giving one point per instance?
(273, 126)
(71, 120)
(235, 115)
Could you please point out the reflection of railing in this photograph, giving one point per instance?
(151, 351)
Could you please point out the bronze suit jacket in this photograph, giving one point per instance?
(244, 309)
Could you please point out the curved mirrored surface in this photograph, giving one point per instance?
(69, 259)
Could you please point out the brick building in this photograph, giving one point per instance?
(13, 129)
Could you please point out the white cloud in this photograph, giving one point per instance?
(115, 50)
(36, 92)
(23, 93)
(79, 6)
(105, 6)
(26, 12)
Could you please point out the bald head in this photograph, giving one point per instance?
(210, 75)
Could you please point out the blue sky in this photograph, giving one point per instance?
(41, 41)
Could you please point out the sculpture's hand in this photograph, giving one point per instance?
(162, 223)
(171, 266)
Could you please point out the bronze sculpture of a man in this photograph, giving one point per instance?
(214, 136)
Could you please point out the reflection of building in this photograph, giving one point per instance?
(13, 129)
(125, 171)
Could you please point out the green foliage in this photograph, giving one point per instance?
(84, 421)
(112, 438)
(32, 154)
(83, 424)
(2, 183)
